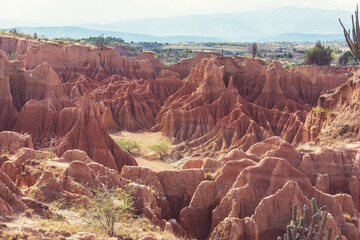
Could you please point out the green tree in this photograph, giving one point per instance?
(344, 59)
(254, 50)
(99, 42)
(13, 31)
(319, 55)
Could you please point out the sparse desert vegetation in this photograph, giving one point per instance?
(161, 148)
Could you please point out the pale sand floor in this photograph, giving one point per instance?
(145, 139)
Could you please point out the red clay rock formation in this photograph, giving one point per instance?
(193, 163)
(148, 193)
(76, 154)
(154, 61)
(39, 119)
(9, 196)
(210, 112)
(11, 142)
(108, 177)
(270, 217)
(229, 103)
(41, 83)
(46, 189)
(70, 61)
(335, 118)
(143, 176)
(10, 169)
(12, 45)
(276, 147)
(312, 81)
(252, 194)
(81, 128)
(270, 177)
(91, 176)
(196, 218)
(8, 112)
(134, 104)
(81, 172)
(179, 187)
(184, 67)
(234, 105)
(36, 94)
(77, 87)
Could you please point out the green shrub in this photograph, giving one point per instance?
(161, 148)
(130, 146)
(99, 42)
(344, 59)
(319, 55)
(321, 111)
(108, 207)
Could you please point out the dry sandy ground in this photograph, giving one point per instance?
(145, 139)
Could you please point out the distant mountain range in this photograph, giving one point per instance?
(244, 26)
(79, 32)
(303, 37)
(282, 24)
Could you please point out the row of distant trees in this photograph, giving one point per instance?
(318, 55)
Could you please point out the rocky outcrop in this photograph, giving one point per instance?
(78, 126)
(40, 120)
(9, 196)
(228, 103)
(71, 60)
(148, 193)
(251, 194)
(77, 87)
(8, 112)
(41, 83)
(154, 61)
(133, 105)
(196, 218)
(11, 142)
(184, 67)
(335, 117)
(313, 81)
(179, 187)
(12, 45)
(66, 97)
(211, 113)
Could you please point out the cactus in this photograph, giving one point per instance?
(294, 216)
(314, 206)
(316, 231)
(354, 43)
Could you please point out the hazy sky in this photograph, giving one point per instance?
(72, 12)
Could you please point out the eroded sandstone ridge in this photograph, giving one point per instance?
(230, 103)
(243, 195)
(336, 117)
(242, 120)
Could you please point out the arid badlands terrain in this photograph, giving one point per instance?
(252, 139)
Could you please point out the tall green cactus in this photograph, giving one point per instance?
(297, 229)
(354, 43)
